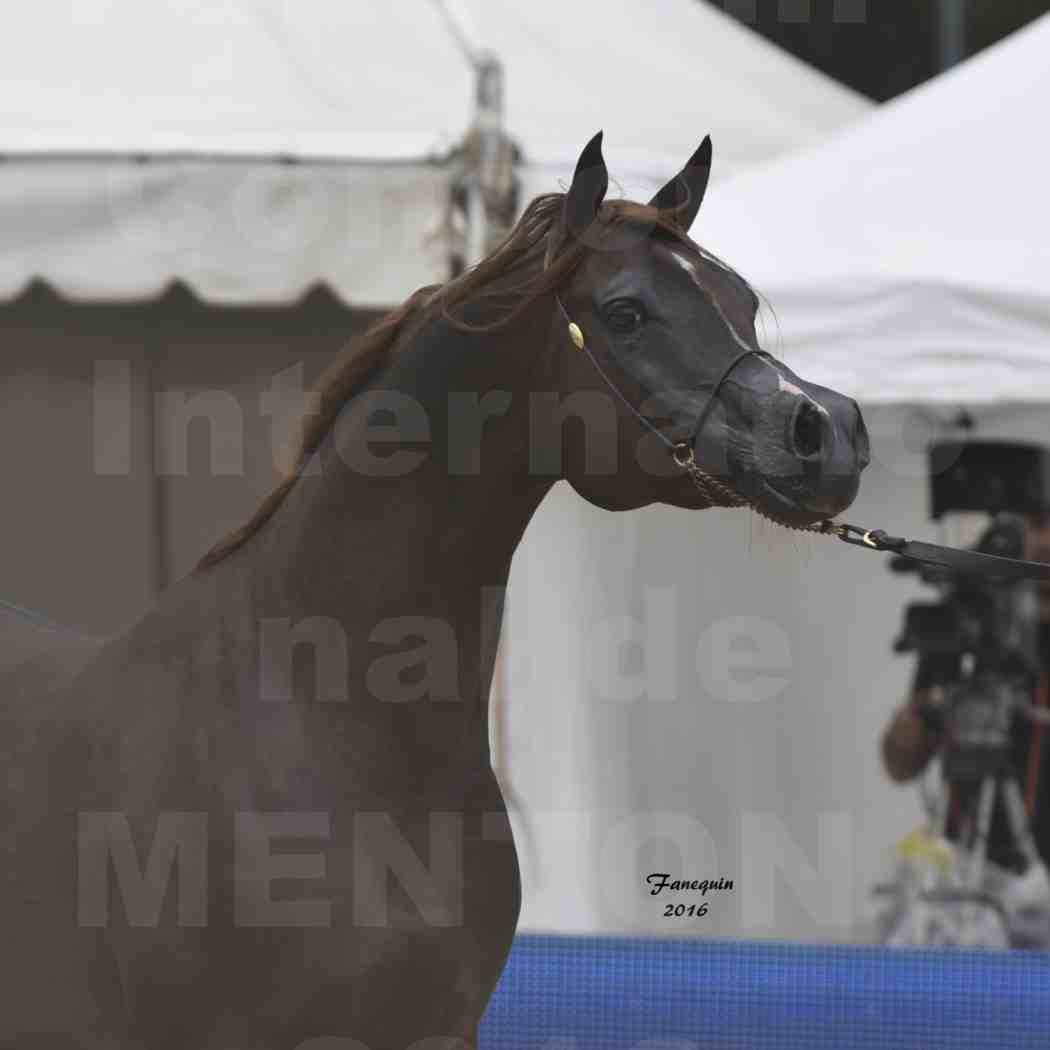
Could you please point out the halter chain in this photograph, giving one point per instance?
(716, 493)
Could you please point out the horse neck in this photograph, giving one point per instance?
(368, 547)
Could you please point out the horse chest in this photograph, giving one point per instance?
(403, 939)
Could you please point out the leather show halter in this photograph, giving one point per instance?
(719, 494)
(713, 490)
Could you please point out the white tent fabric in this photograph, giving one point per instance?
(370, 88)
(388, 80)
(258, 78)
(236, 232)
(908, 258)
(703, 693)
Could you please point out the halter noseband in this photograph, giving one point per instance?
(714, 491)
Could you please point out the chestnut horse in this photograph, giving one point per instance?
(265, 813)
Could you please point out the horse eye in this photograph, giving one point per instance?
(625, 315)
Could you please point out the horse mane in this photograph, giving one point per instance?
(539, 235)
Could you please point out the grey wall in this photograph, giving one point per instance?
(89, 529)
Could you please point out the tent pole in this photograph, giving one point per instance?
(487, 136)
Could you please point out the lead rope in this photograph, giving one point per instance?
(715, 492)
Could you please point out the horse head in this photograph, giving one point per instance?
(665, 331)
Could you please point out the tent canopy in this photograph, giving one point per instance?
(369, 98)
(390, 80)
(908, 258)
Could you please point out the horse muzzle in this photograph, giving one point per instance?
(809, 447)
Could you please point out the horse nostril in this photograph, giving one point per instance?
(807, 431)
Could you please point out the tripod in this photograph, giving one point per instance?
(956, 896)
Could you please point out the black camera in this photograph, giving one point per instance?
(988, 619)
(989, 476)
(991, 620)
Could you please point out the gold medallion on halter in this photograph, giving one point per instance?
(576, 335)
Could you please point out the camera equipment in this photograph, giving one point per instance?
(982, 639)
(987, 632)
(995, 622)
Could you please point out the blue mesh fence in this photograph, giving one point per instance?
(572, 993)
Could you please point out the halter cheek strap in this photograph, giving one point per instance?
(717, 493)
(576, 335)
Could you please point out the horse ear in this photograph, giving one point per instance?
(587, 191)
(683, 195)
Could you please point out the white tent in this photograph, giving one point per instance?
(908, 258)
(736, 677)
(138, 136)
